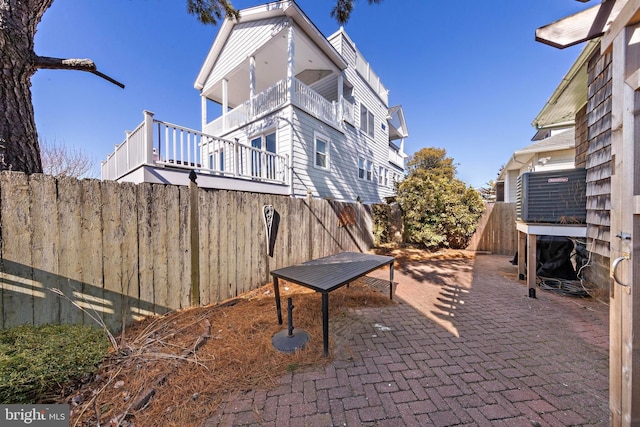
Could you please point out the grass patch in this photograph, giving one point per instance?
(36, 360)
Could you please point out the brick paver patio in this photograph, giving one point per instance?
(464, 346)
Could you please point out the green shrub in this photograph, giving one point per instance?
(438, 209)
(381, 214)
(35, 360)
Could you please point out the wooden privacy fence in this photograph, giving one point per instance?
(123, 251)
(496, 232)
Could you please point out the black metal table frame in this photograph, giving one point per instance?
(370, 263)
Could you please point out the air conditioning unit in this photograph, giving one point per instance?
(558, 197)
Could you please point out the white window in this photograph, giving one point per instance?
(366, 120)
(365, 169)
(321, 151)
(383, 176)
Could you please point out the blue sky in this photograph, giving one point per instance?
(468, 73)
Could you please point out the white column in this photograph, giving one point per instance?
(148, 136)
(290, 63)
(340, 96)
(203, 103)
(225, 102)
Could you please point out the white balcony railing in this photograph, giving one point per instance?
(161, 144)
(270, 100)
(348, 112)
(315, 103)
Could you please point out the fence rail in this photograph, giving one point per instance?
(125, 250)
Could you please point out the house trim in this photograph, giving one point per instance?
(269, 10)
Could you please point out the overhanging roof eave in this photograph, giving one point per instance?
(571, 93)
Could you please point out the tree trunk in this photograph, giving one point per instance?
(19, 150)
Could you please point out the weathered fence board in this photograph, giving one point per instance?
(145, 245)
(123, 251)
(70, 250)
(112, 242)
(44, 243)
(496, 232)
(91, 290)
(18, 291)
(159, 233)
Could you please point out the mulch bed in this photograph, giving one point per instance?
(176, 369)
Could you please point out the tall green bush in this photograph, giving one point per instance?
(439, 210)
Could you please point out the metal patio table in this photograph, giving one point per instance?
(328, 274)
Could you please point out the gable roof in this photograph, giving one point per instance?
(564, 140)
(288, 9)
(397, 124)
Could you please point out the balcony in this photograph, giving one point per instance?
(276, 97)
(158, 151)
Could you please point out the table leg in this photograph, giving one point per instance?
(325, 323)
(391, 281)
(276, 290)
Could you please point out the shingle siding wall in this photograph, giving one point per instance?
(582, 141)
(598, 164)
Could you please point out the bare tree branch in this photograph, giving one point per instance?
(62, 160)
(72, 64)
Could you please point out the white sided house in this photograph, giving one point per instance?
(285, 110)
(552, 150)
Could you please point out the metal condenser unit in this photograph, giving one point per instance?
(558, 197)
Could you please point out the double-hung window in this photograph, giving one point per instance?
(366, 120)
(365, 169)
(383, 176)
(320, 151)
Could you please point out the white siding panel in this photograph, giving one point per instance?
(341, 181)
(244, 40)
(345, 49)
(511, 187)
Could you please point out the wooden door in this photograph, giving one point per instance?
(624, 341)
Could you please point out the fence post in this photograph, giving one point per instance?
(310, 232)
(148, 136)
(195, 239)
